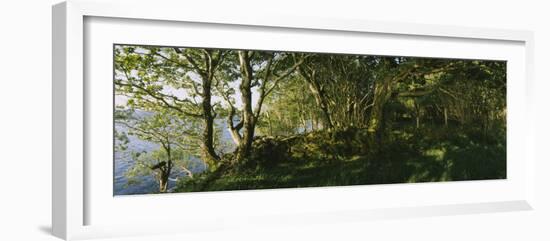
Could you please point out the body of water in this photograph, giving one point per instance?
(147, 184)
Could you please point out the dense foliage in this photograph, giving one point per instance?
(264, 119)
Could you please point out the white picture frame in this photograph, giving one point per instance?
(72, 186)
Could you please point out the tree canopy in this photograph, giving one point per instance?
(237, 110)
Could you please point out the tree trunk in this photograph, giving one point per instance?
(246, 98)
(382, 94)
(165, 170)
(320, 99)
(322, 103)
(417, 114)
(206, 73)
(187, 171)
(445, 115)
(208, 152)
(163, 183)
(270, 124)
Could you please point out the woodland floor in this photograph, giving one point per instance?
(351, 157)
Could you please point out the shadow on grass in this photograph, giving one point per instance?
(345, 158)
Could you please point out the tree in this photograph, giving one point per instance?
(178, 79)
(263, 70)
(165, 131)
(395, 70)
(342, 86)
(314, 108)
(289, 110)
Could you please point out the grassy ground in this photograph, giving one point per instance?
(353, 157)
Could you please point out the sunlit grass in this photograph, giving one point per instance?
(410, 157)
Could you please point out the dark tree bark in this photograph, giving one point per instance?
(164, 168)
(382, 93)
(209, 153)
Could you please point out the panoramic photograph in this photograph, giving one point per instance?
(191, 119)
